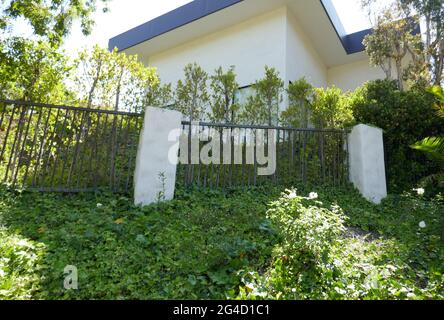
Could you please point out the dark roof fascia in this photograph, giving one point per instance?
(177, 18)
(199, 9)
(352, 43)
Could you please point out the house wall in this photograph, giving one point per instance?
(248, 46)
(275, 39)
(302, 59)
(352, 75)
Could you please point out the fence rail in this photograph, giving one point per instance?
(315, 156)
(67, 149)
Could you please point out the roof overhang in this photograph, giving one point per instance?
(198, 18)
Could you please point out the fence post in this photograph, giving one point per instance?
(157, 156)
(367, 165)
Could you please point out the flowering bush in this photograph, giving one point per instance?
(319, 257)
(309, 233)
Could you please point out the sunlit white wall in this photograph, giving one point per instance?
(302, 59)
(248, 46)
(350, 76)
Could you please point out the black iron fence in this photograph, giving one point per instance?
(67, 149)
(301, 155)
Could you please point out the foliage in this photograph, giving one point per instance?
(32, 70)
(50, 19)
(361, 251)
(112, 80)
(191, 247)
(431, 12)
(320, 107)
(216, 245)
(224, 88)
(300, 96)
(405, 117)
(394, 38)
(390, 43)
(192, 96)
(20, 264)
(308, 234)
(331, 109)
(433, 147)
(264, 106)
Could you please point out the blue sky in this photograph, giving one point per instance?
(126, 14)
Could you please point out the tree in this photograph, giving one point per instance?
(113, 80)
(394, 39)
(95, 71)
(390, 42)
(33, 71)
(263, 107)
(300, 96)
(224, 88)
(431, 13)
(191, 93)
(51, 19)
(137, 86)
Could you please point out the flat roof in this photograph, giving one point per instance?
(199, 9)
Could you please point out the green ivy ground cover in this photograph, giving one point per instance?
(218, 245)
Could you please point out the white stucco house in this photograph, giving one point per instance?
(300, 38)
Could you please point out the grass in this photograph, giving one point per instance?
(199, 246)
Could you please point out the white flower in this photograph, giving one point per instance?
(23, 243)
(292, 194)
(99, 205)
(422, 225)
(420, 191)
(313, 195)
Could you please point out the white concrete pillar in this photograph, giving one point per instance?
(155, 174)
(367, 165)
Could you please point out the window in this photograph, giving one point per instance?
(242, 94)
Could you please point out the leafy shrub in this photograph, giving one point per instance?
(308, 233)
(433, 147)
(300, 97)
(321, 256)
(405, 117)
(320, 107)
(331, 109)
(20, 261)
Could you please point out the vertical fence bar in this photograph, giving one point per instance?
(137, 126)
(20, 153)
(124, 149)
(50, 142)
(34, 140)
(59, 148)
(42, 141)
(17, 138)
(84, 149)
(11, 120)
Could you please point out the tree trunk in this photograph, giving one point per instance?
(94, 85)
(440, 64)
(119, 86)
(399, 74)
